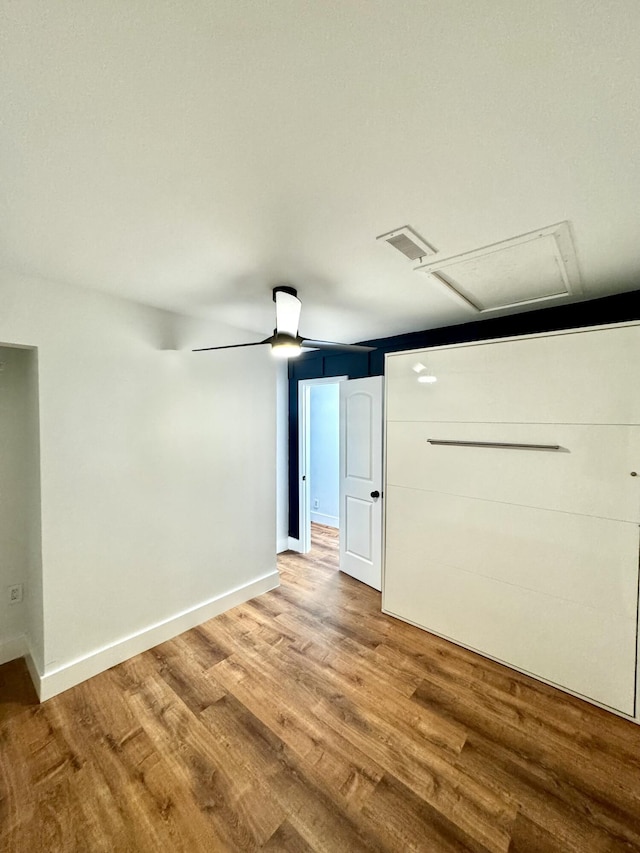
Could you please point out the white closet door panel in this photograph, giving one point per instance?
(584, 650)
(590, 561)
(582, 377)
(590, 475)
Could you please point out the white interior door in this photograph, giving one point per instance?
(361, 479)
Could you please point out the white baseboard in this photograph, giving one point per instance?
(61, 678)
(294, 545)
(282, 544)
(328, 520)
(12, 648)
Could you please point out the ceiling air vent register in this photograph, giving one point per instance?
(410, 244)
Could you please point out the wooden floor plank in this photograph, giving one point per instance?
(133, 781)
(424, 769)
(560, 767)
(406, 822)
(307, 720)
(331, 758)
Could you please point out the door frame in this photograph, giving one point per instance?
(304, 455)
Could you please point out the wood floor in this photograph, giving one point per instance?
(308, 721)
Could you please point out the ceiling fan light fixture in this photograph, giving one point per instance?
(284, 345)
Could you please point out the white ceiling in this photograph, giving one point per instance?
(193, 153)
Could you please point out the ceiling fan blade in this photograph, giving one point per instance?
(234, 346)
(287, 311)
(331, 345)
(285, 341)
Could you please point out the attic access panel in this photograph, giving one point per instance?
(533, 267)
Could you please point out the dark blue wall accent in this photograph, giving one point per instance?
(620, 308)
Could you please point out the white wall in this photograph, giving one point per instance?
(282, 457)
(157, 468)
(324, 454)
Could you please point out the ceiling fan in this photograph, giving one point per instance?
(285, 341)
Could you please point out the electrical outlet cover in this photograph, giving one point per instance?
(15, 594)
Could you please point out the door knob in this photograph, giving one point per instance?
(375, 494)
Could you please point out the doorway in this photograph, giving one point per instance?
(20, 536)
(353, 428)
(319, 456)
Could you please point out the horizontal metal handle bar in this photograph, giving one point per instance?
(494, 444)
